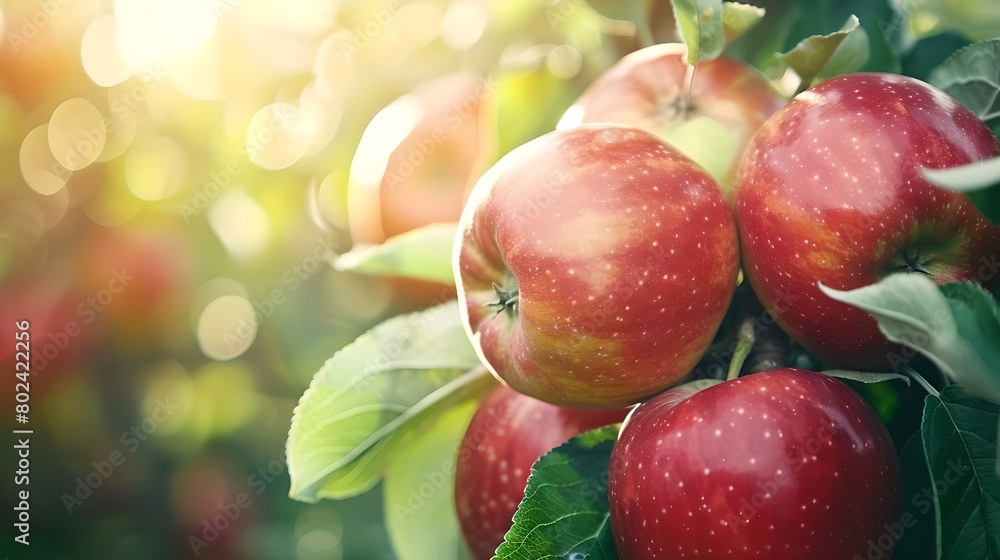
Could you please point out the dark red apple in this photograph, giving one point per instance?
(781, 464)
(648, 89)
(508, 433)
(595, 265)
(831, 192)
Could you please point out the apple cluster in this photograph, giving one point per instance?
(595, 265)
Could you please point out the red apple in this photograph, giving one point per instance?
(595, 265)
(831, 192)
(416, 162)
(648, 88)
(782, 464)
(508, 433)
(418, 158)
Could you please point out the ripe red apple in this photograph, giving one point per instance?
(418, 158)
(781, 464)
(831, 192)
(595, 265)
(508, 433)
(648, 89)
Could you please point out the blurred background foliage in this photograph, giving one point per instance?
(177, 177)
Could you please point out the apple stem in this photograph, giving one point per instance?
(745, 339)
(505, 300)
(686, 102)
(913, 263)
(922, 382)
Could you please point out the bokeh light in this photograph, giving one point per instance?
(277, 137)
(39, 168)
(77, 133)
(154, 168)
(101, 54)
(179, 177)
(227, 327)
(150, 31)
(178, 184)
(240, 224)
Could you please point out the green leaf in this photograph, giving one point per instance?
(565, 510)
(972, 76)
(976, 19)
(527, 101)
(634, 11)
(813, 54)
(423, 253)
(918, 541)
(373, 390)
(865, 376)
(977, 319)
(875, 16)
(700, 22)
(980, 180)
(959, 437)
(419, 489)
(964, 178)
(737, 18)
(850, 56)
(911, 310)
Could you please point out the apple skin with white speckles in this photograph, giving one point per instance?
(781, 464)
(508, 433)
(647, 89)
(624, 255)
(830, 191)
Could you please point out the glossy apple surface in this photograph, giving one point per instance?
(616, 258)
(648, 88)
(508, 433)
(781, 464)
(831, 192)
